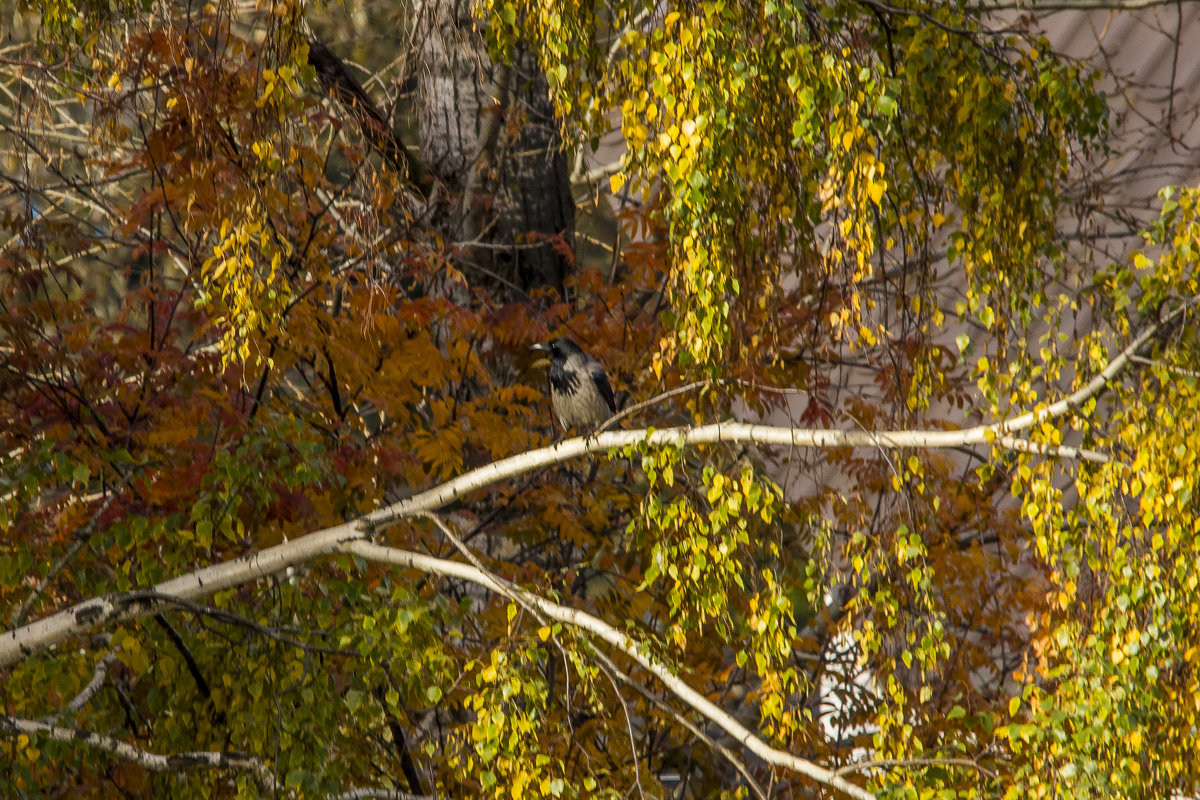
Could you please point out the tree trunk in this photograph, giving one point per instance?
(489, 132)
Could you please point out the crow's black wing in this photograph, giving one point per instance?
(600, 378)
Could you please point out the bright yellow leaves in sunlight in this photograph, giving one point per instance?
(244, 276)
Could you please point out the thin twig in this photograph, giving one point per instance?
(691, 727)
(633, 649)
(1150, 362)
(81, 539)
(653, 401)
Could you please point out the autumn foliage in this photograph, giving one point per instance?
(235, 310)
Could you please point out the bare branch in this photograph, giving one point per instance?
(685, 722)
(151, 761)
(1178, 370)
(1055, 450)
(625, 412)
(84, 697)
(112, 609)
(996, 433)
(81, 539)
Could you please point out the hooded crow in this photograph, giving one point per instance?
(579, 389)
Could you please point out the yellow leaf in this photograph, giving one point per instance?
(875, 189)
(615, 182)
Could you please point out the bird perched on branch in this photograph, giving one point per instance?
(580, 393)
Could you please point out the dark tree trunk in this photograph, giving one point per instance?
(489, 132)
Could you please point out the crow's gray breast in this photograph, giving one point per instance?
(580, 393)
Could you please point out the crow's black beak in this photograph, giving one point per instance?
(541, 362)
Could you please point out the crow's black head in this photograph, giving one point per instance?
(560, 349)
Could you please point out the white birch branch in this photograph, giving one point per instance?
(150, 761)
(998, 433)
(582, 620)
(89, 615)
(530, 603)
(84, 697)
(353, 538)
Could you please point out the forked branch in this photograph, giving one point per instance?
(355, 538)
(90, 615)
